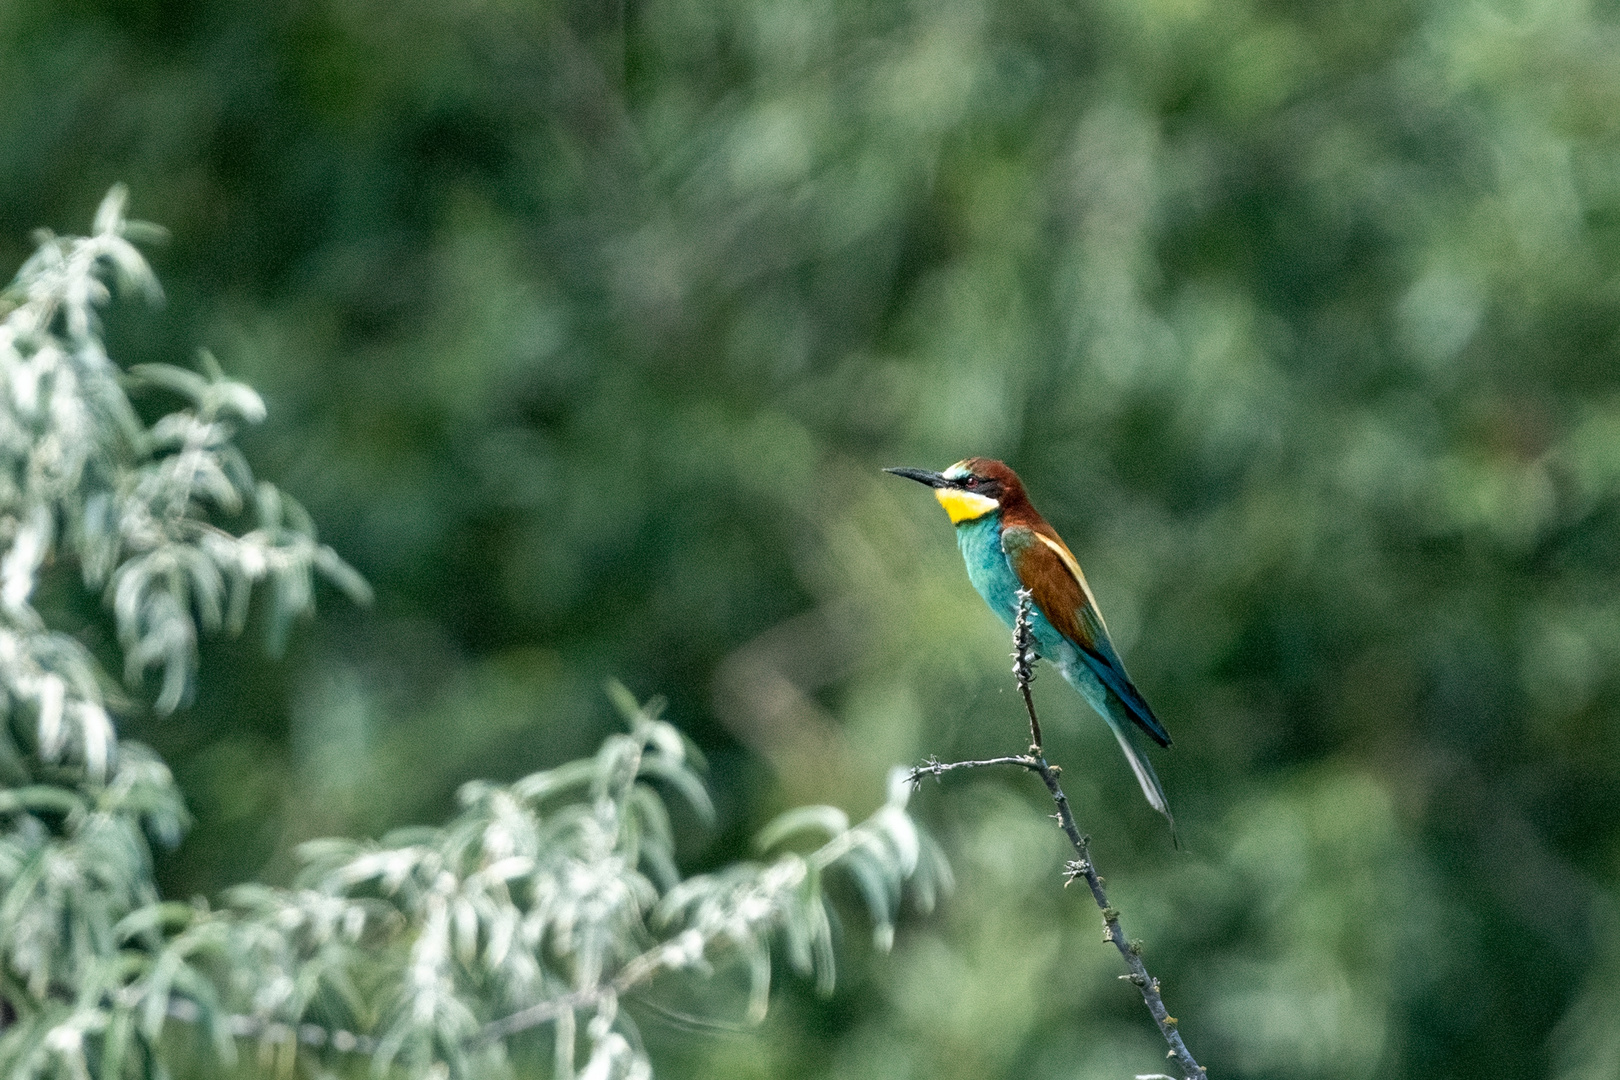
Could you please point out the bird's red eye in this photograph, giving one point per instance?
(972, 481)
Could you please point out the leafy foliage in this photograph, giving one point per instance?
(543, 901)
(546, 901)
(138, 510)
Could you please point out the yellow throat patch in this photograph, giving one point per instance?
(964, 505)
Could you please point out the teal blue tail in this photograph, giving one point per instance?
(1120, 719)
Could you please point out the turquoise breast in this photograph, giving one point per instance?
(993, 576)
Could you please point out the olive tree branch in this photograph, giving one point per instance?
(1081, 867)
(278, 1032)
(669, 956)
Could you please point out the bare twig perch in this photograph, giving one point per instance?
(1081, 867)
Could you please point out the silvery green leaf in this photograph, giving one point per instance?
(110, 214)
(96, 735)
(826, 819)
(344, 576)
(240, 400)
(683, 780)
(131, 270)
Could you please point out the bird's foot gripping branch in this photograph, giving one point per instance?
(1081, 867)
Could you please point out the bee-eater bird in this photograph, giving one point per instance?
(1008, 546)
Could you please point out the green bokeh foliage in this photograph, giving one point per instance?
(585, 329)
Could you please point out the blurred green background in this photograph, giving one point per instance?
(586, 327)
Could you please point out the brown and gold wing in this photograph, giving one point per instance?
(1049, 570)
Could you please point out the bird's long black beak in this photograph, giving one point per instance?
(923, 476)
